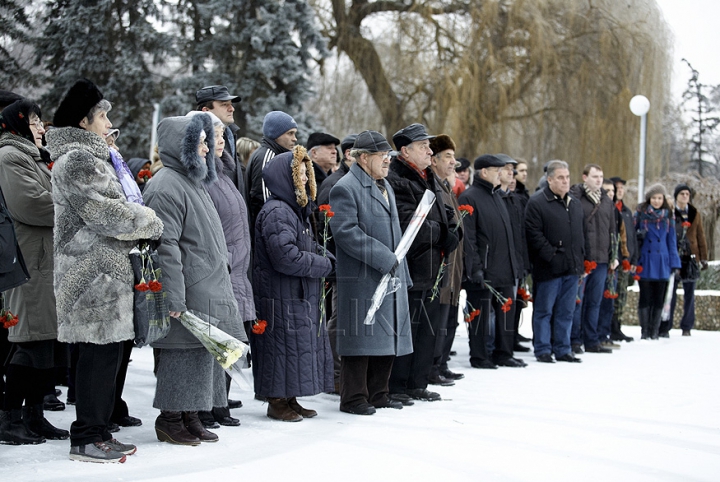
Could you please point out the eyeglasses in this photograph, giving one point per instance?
(383, 156)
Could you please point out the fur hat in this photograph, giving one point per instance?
(277, 123)
(653, 190)
(441, 142)
(300, 156)
(681, 187)
(77, 103)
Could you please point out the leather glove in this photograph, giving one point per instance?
(703, 265)
(449, 212)
(478, 277)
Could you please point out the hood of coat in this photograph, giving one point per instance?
(61, 140)
(178, 139)
(282, 178)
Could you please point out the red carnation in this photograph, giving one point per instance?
(639, 269)
(607, 294)
(506, 306)
(145, 174)
(142, 287)
(636, 277)
(686, 224)
(259, 326)
(50, 166)
(589, 266)
(155, 286)
(324, 207)
(626, 265)
(466, 208)
(523, 294)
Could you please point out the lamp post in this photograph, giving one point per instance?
(640, 105)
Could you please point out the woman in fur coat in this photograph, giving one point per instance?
(26, 187)
(292, 357)
(99, 216)
(194, 261)
(655, 224)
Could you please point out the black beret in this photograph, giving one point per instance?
(488, 160)
(462, 164)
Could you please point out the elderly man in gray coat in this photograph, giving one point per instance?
(366, 230)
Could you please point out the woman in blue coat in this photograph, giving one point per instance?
(655, 226)
(292, 357)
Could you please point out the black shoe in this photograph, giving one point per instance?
(512, 363)
(402, 398)
(359, 409)
(128, 421)
(483, 364)
(422, 394)
(577, 349)
(664, 335)
(228, 421)
(437, 379)
(452, 375)
(545, 358)
(70, 401)
(521, 339)
(621, 337)
(597, 349)
(52, 404)
(207, 420)
(113, 427)
(234, 403)
(389, 403)
(686, 333)
(520, 348)
(453, 353)
(58, 392)
(568, 357)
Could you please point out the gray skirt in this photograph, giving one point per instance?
(188, 381)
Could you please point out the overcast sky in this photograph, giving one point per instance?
(696, 25)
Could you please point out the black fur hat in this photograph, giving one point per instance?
(77, 103)
(441, 142)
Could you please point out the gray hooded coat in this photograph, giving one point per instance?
(193, 255)
(95, 229)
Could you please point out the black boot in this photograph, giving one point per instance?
(644, 319)
(654, 323)
(36, 422)
(14, 432)
(664, 330)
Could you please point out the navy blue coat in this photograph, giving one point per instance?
(292, 358)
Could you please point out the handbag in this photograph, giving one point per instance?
(690, 271)
(151, 318)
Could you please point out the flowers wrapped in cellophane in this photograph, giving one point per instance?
(226, 349)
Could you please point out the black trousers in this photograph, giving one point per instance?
(120, 409)
(411, 371)
(503, 326)
(447, 342)
(364, 379)
(95, 375)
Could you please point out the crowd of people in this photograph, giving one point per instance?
(283, 247)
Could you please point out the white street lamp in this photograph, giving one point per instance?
(640, 105)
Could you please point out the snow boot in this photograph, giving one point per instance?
(654, 323)
(196, 428)
(14, 432)
(36, 422)
(169, 427)
(278, 409)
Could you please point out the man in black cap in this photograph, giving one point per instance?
(323, 197)
(367, 232)
(464, 172)
(322, 150)
(410, 176)
(218, 100)
(490, 261)
(616, 333)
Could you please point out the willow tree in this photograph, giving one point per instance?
(539, 79)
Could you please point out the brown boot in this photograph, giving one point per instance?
(170, 428)
(195, 427)
(297, 408)
(279, 409)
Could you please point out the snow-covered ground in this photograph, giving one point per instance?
(649, 411)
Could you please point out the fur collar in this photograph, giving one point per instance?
(61, 140)
(178, 139)
(20, 143)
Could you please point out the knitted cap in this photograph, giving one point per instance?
(277, 123)
(653, 190)
(77, 103)
(682, 187)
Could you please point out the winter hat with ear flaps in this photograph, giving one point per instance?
(77, 103)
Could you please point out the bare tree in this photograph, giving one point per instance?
(704, 124)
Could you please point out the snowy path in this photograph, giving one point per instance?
(650, 411)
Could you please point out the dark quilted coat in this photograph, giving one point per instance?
(292, 357)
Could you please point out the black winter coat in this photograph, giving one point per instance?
(555, 238)
(632, 242)
(425, 254)
(516, 210)
(599, 224)
(489, 240)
